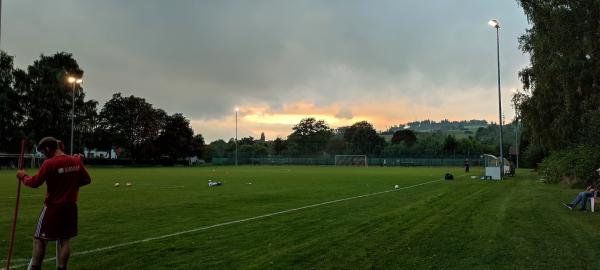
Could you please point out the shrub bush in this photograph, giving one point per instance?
(532, 156)
(575, 166)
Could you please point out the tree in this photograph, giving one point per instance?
(262, 137)
(406, 135)
(363, 139)
(279, 146)
(560, 104)
(86, 122)
(253, 150)
(466, 145)
(429, 144)
(246, 141)
(219, 148)
(199, 148)
(309, 136)
(133, 122)
(176, 139)
(336, 146)
(48, 96)
(450, 144)
(11, 111)
(394, 150)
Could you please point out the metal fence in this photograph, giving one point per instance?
(374, 161)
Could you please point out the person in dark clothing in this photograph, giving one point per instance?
(583, 196)
(466, 165)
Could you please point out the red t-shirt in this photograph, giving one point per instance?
(63, 176)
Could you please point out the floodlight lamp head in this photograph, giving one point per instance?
(79, 81)
(494, 23)
(237, 109)
(71, 79)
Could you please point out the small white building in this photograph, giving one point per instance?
(492, 166)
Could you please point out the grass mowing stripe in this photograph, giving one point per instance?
(231, 222)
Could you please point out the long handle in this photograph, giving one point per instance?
(14, 223)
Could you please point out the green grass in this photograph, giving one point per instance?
(518, 223)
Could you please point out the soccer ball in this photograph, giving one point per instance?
(117, 184)
(128, 184)
(396, 187)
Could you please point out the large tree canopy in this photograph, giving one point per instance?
(132, 121)
(363, 139)
(11, 112)
(406, 135)
(309, 136)
(48, 99)
(176, 139)
(38, 102)
(560, 105)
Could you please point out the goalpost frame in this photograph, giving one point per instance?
(33, 159)
(363, 157)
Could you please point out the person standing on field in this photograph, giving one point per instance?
(63, 175)
(466, 165)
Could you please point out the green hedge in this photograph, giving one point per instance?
(575, 166)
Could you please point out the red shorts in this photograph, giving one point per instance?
(57, 221)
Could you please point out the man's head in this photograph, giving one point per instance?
(49, 146)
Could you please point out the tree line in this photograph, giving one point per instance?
(314, 138)
(37, 102)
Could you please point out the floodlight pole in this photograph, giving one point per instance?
(236, 135)
(517, 136)
(0, 23)
(73, 81)
(497, 26)
(72, 115)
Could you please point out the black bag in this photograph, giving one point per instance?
(449, 176)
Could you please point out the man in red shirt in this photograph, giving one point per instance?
(58, 220)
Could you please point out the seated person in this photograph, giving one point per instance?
(584, 195)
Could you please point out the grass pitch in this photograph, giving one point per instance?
(164, 220)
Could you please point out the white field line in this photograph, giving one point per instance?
(228, 223)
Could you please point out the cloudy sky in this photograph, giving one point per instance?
(387, 62)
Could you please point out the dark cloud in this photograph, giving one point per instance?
(203, 58)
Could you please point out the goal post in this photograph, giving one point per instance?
(10, 161)
(351, 160)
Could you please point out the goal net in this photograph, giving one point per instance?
(351, 160)
(11, 161)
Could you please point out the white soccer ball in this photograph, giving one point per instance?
(396, 187)
(117, 184)
(128, 184)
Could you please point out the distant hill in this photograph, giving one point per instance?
(467, 127)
